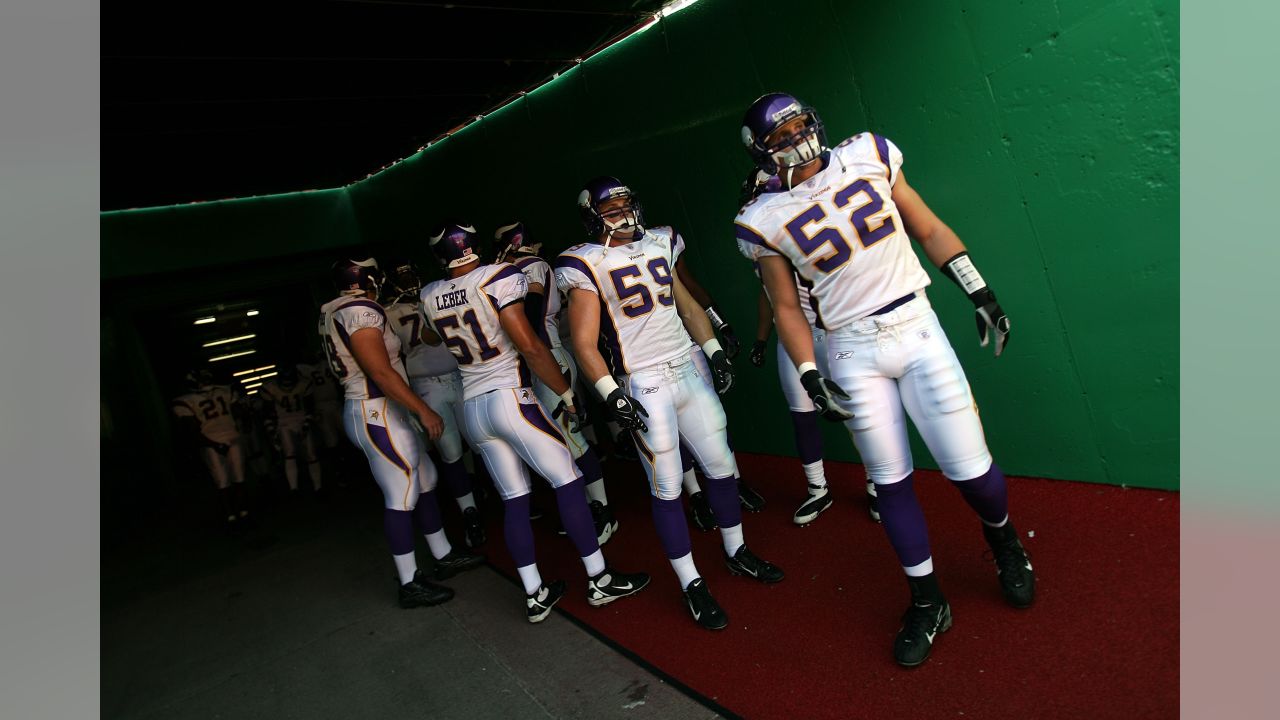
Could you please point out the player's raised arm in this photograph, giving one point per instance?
(371, 355)
(947, 253)
(699, 327)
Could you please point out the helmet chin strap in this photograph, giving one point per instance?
(611, 229)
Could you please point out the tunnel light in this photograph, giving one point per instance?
(232, 355)
(251, 313)
(204, 320)
(255, 385)
(229, 340)
(674, 7)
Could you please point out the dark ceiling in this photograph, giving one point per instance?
(210, 100)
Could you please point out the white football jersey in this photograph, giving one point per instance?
(463, 311)
(539, 271)
(841, 231)
(211, 407)
(639, 324)
(290, 403)
(323, 385)
(341, 318)
(420, 358)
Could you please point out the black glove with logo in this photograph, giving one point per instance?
(757, 353)
(626, 411)
(824, 393)
(721, 372)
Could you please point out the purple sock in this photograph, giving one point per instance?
(808, 436)
(686, 458)
(427, 511)
(518, 530)
(903, 521)
(398, 525)
(589, 464)
(673, 529)
(722, 494)
(455, 477)
(987, 494)
(576, 517)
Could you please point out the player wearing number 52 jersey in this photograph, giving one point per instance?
(624, 299)
(378, 417)
(542, 307)
(433, 374)
(478, 312)
(841, 220)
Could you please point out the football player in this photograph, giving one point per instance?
(379, 418)
(542, 307)
(290, 410)
(478, 312)
(206, 412)
(841, 220)
(433, 374)
(804, 418)
(622, 291)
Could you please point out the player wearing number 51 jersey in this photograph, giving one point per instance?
(841, 220)
(478, 312)
(631, 318)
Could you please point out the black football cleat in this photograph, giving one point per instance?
(819, 499)
(704, 608)
(744, 562)
(418, 592)
(455, 562)
(1017, 580)
(606, 523)
(473, 528)
(611, 585)
(920, 624)
(750, 499)
(539, 604)
(700, 512)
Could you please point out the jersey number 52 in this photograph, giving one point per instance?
(860, 219)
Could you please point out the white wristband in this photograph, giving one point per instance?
(805, 367)
(711, 347)
(964, 271)
(606, 385)
(567, 397)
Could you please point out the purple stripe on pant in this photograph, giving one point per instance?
(533, 413)
(903, 521)
(517, 530)
(382, 440)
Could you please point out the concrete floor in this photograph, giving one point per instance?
(298, 620)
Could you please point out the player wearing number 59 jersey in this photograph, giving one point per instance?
(478, 312)
(840, 220)
(631, 318)
(378, 417)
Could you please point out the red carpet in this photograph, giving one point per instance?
(1100, 642)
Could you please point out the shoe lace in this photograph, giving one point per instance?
(1010, 558)
(919, 619)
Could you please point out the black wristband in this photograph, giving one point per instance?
(960, 269)
(717, 321)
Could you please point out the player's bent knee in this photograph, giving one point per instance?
(888, 472)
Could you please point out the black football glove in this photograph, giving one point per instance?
(824, 393)
(626, 411)
(721, 372)
(757, 353)
(730, 339)
(990, 316)
(576, 417)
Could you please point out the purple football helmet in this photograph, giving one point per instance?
(357, 277)
(513, 239)
(767, 114)
(402, 279)
(757, 183)
(455, 244)
(597, 192)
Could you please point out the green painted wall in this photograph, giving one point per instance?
(1044, 133)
